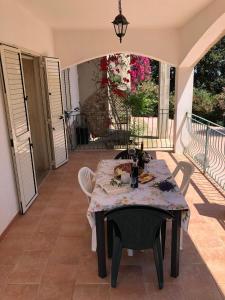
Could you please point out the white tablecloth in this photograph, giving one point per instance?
(145, 194)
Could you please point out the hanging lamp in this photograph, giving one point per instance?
(120, 24)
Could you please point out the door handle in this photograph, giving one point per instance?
(53, 128)
(61, 117)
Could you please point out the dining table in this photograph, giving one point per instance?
(146, 194)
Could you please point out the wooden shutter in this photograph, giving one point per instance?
(66, 90)
(56, 111)
(18, 124)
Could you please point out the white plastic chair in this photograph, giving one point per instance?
(187, 169)
(86, 178)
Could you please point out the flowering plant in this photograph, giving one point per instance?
(140, 70)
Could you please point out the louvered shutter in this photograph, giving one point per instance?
(18, 124)
(66, 90)
(56, 111)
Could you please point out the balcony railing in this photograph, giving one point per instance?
(103, 131)
(207, 147)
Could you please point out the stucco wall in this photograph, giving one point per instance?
(87, 86)
(76, 46)
(75, 98)
(20, 28)
(8, 196)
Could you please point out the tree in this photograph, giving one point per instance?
(210, 71)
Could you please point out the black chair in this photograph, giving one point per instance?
(137, 227)
(125, 154)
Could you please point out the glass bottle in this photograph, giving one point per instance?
(134, 174)
(141, 162)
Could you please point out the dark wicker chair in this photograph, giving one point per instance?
(125, 154)
(137, 227)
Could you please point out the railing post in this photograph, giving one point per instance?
(206, 149)
(127, 121)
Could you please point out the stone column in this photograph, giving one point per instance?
(183, 106)
(164, 93)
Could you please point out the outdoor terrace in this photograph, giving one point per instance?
(46, 254)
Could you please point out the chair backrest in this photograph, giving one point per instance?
(137, 226)
(85, 178)
(187, 169)
(125, 155)
(122, 155)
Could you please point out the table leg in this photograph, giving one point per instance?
(175, 244)
(100, 234)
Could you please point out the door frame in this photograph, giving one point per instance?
(40, 89)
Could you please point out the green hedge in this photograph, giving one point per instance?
(144, 102)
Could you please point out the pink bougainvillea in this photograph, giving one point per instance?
(140, 70)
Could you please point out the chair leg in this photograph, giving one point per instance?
(117, 252)
(157, 250)
(181, 238)
(163, 237)
(109, 239)
(130, 252)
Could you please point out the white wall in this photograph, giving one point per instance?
(75, 99)
(18, 27)
(87, 86)
(8, 196)
(77, 46)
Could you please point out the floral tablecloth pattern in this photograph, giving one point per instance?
(146, 194)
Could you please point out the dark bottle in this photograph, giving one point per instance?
(141, 162)
(134, 174)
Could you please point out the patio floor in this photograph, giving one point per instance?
(46, 254)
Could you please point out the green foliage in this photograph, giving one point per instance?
(210, 71)
(203, 102)
(209, 106)
(144, 102)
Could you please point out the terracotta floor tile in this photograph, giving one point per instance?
(5, 271)
(49, 225)
(75, 226)
(50, 246)
(53, 212)
(68, 250)
(221, 287)
(129, 291)
(91, 292)
(88, 271)
(169, 292)
(58, 273)
(29, 268)
(217, 269)
(38, 207)
(130, 275)
(200, 293)
(56, 291)
(20, 292)
(78, 206)
(11, 249)
(24, 226)
(41, 241)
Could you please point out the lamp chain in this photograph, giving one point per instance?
(120, 7)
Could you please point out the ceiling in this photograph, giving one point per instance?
(98, 14)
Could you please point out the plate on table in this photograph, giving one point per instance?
(145, 177)
(122, 168)
(125, 168)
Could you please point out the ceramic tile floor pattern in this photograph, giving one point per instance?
(46, 254)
